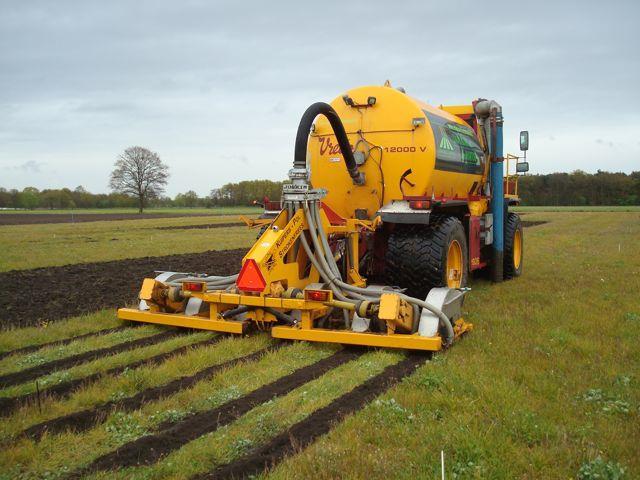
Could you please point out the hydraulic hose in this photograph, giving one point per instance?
(218, 282)
(331, 277)
(325, 277)
(444, 320)
(283, 317)
(235, 311)
(319, 267)
(302, 139)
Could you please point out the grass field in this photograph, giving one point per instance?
(257, 210)
(604, 208)
(50, 244)
(170, 210)
(545, 386)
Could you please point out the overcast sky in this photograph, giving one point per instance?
(217, 88)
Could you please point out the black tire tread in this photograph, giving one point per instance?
(511, 224)
(416, 255)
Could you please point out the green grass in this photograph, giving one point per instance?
(45, 245)
(545, 386)
(69, 450)
(171, 210)
(18, 362)
(511, 399)
(135, 380)
(596, 208)
(46, 332)
(263, 422)
(102, 364)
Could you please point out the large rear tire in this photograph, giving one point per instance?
(513, 246)
(420, 258)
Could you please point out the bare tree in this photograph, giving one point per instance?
(141, 173)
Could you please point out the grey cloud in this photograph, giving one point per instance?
(604, 142)
(235, 158)
(30, 166)
(278, 108)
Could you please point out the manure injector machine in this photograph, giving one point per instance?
(391, 204)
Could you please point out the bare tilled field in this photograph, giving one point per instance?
(37, 218)
(81, 216)
(539, 389)
(75, 289)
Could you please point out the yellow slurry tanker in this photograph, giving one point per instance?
(391, 204)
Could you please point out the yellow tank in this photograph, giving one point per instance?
(395, 134)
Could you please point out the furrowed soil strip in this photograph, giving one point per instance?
(64, 341)
(205, 226)
(318, 423)
(151, 448)
(61, 390)
(32, 373)
(85, 419)
(38, 218)
(73, 290)
(532, 223)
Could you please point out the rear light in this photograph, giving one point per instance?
(317, 295)
(420, 204)
(250, 278)
(194, 286)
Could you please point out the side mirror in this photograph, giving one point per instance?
(522, 167)
(524, 141)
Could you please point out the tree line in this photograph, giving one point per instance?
(554, 189)
(232, 194)
(580, 188)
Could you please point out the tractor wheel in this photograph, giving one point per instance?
(420, 258)
(513, 243)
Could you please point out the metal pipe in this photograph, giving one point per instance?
(341, 304)
(489, 114)
(497, 200)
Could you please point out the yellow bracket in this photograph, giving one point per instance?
(255, 223)
(411, 342)
(461, 327)
(180, 320)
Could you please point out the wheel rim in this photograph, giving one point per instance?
(517, 249)
(454, 265)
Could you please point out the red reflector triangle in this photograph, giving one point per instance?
(250, 278)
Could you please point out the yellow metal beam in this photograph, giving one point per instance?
(177, 320)
(408, 342)
(458, 109)
(255, 301)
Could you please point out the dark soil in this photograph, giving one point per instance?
(318, 423)
(38, 218)
(532, 223)
(64, 341)
(151, 448)
(9, 404)
(85, 419)
(206, 226)
(32, 296)
(32, 373)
